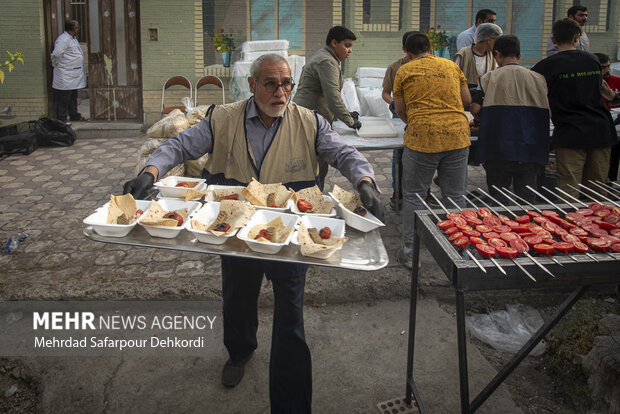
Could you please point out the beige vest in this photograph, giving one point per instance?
(290, 158)
(468, 64)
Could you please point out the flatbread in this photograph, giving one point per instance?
(192, 194)
(276, 226)
(121, 209)
(349, 200)
(155, 216)
(308, 246)
(257, 193)
(315, 197)
(234, 212)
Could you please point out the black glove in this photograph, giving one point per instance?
(392, 107)
(370, 199)
(355, 115)
(138, 186)
(356, 125)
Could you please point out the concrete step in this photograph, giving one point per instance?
(94, 129)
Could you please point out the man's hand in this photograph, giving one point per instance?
(138, 186)
(355, 115)
(356, 125)
(392, 107)
(370, 199)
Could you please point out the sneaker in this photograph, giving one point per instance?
(68, 123)
(403, 259)
(396, 204)
(80, 119)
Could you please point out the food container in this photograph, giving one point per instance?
(264, 217)
(98, 219)
(170, 204)
(337, 227)
(213, 187)
(295, 210)
(167, 186)
(207, 214)
(286, 207)
(365, 224)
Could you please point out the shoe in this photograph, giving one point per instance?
(232, 373)
(80, 119)
(394, 204)
(402, 259)
(430, 200)
(68, 123)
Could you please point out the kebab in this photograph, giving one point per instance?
(461, 243)
(505, 251)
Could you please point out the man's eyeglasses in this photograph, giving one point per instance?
(272, 86)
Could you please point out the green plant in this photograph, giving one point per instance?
(223, 42)
(16, 57)
(438, 39)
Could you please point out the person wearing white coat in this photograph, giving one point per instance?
(69, 73)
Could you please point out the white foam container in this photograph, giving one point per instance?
(296, 210)
(214, 187)
(374, 127)
(170, 204)
(98, 219)
(286, 207)
(337, 227)
(365, 224)
(207, 214)
(167, 186)
(264, 217)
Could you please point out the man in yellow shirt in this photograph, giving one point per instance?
(429, 95)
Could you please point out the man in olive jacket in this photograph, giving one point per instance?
(321, 82)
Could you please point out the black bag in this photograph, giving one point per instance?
(18, 144)
(53, 132)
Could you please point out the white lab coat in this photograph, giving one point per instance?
(68, 63)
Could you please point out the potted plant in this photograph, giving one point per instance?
(224, 44)
(439, 39)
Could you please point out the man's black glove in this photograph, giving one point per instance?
(356, 125)
(392, 107)
(138, 186)
(370, 199)
(355, 115)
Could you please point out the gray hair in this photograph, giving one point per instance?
(487, 30)
(257, 64)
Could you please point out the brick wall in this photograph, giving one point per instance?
(22, 29)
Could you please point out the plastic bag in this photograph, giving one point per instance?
(197, 114)
(169, 126)
(507, 330)
(349, 96)
(372, 102)
(53, 132)
(187, 101)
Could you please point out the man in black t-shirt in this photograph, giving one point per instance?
(583, 129)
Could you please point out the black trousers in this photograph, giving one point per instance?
(66, 104)
(614, 160)
(503, 174)
(290, 365)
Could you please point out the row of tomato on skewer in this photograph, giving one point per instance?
(596, 227)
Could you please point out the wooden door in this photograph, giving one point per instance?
(114, 80)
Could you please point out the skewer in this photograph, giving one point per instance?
(529, 256)
(523, 200)
(497, 201)
(585, 194)
(565, 201)
(503, 192)
(607, 188)
(438, 220)
(569, 195)
(469, 201)
(545, 198)
(599, 194)
(440, 203)
(528, 274)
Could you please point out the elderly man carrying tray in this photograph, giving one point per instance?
(273, 140)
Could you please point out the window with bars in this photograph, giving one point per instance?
(78, 12)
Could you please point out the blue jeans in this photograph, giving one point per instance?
(418, 171)
(290, 365)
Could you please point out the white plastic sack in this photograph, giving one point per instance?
(372, 104)
(239, 87)
(296, 63)
(369, 72)
(349, 96)
(169, 126)
(250, 56)
(507, 330)
(261, 45)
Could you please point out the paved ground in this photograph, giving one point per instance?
(356, 322)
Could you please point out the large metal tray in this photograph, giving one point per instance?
(363, 251)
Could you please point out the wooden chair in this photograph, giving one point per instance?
(177, 80)
(209, 80)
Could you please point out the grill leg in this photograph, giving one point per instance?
(462, 349)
